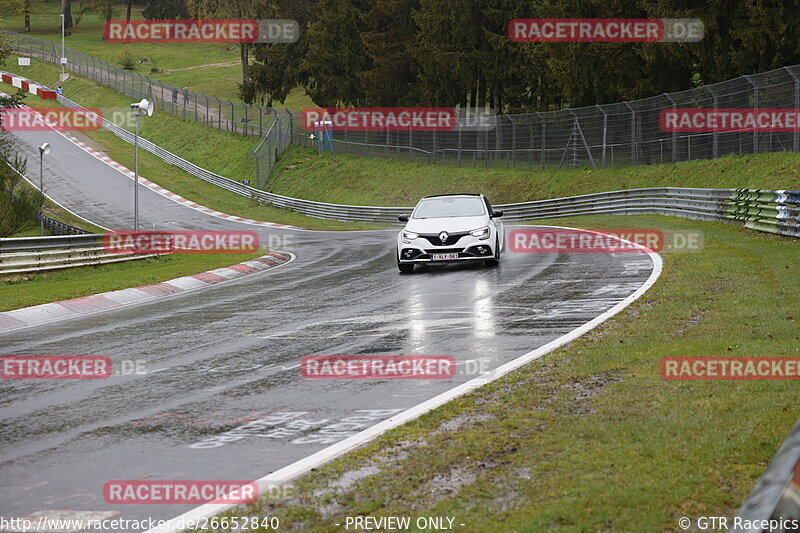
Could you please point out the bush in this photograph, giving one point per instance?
(126, 60)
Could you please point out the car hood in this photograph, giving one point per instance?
(450, 225)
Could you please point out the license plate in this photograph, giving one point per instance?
(443, 257)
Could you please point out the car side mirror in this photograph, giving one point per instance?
(403, 218)
(497, 214)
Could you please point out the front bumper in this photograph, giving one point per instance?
(467, 249)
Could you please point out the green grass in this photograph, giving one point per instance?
(369, 181)
(219, 81)
(590, 437)
(37, 289)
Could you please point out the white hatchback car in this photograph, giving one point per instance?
(450, 228)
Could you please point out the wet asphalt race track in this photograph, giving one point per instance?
(215, 359)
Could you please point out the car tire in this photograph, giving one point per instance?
(496, 261)
(405, 268)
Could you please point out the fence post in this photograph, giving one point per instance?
(458, 155)
(675, 132)
(605, 133)
(541, 155)
(633, 133)
(715, 141)
(796, 134)
(410, 136)
(513, 140)
(486, 149)
(755, 111)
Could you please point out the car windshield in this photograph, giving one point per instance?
(449, 206)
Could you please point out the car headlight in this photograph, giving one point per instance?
(482, 233)
(409, 236)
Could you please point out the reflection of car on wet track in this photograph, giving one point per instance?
(450, 228)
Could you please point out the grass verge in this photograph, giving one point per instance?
(590, 437)
(369, 181)
(37, 289)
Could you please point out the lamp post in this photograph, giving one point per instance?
(43, 150)
(139, 109)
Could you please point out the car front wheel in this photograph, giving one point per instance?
(405, 268)
(496, 260)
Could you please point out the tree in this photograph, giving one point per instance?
(163, 9)
(446, 51)
(19, 204)
(66, 10)
(389, 37)
(336, 53)
(276, 68)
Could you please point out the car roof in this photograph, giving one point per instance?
(457, 194)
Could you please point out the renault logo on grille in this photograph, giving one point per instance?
(443, 236)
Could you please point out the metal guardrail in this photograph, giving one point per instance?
(60, 228)
(775, 494)
(42, 261)
(58, 242)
